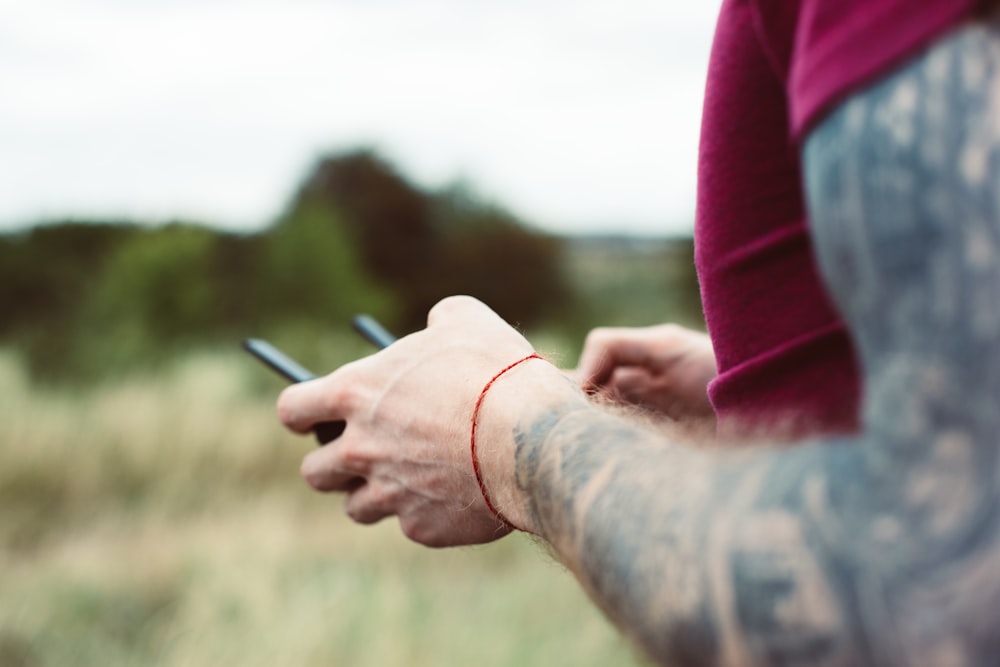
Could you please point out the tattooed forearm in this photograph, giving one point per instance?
(700, 555)
(881, 549)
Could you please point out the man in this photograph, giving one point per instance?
(876, 538)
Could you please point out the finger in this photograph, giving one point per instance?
(371, 502)
(301, 406)
(607, 349)
(329, 469)
(594, 367)
(631, 384)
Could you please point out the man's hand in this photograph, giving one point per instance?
(406, 449)
(666, 368)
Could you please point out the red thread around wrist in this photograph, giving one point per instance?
(475, 420)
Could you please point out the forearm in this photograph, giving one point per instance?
(702, 557)
(820, 554)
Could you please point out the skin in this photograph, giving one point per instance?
(881, 549)
(664, 368)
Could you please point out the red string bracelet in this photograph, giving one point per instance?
(472, 447)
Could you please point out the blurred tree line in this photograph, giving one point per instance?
(81, 300)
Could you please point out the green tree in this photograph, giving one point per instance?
(390, 221)
(488, 253)
(46, 271)
(312, 268)
(425, 246)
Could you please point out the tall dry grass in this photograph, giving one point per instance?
(159, 520)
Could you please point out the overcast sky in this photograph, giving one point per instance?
(578, 115)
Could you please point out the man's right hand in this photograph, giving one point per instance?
(666, 368)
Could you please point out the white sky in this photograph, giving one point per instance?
(577, 115)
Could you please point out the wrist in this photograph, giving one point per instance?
(515, 399)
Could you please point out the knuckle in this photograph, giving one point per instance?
(341, 398)
(420, 532)
(363, 506)
(357, 513)
(599, 337)
(356, 458)
(312, 475)
(322, 471)
(386, 497)
(668, 330)
(335, 399)
(448, 307)
(596, 346)
(597, 333)
(287, 408)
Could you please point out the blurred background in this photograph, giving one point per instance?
(180, 175)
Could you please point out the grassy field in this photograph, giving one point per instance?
(160, 520)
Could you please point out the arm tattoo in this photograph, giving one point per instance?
(882, 549)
